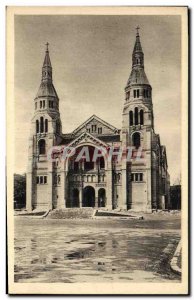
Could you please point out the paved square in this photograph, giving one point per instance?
(112, 250)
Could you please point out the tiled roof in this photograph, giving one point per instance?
(46, 89)
(137, 46)
(47, 61)
(137, 76)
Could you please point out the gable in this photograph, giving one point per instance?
(85, 138)
(96, 126)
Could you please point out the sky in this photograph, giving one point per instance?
(91, 59)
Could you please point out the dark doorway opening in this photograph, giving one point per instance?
(75, 198)
(88, 197)
(101, 198)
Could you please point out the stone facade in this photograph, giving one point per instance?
(136, 184)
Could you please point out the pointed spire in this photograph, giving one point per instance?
(47, 68)
(137, 47)
(138, 56)
(47, 61)
(46, 87)
(138, 75)
(137, 28)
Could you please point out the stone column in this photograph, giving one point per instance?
(50, 185)
(50, 190)
(62, 200)
(109, 185)
(123, 202)
(148, 207)
(80, 197)
(30, 184)
(154, 182)
(96, 202)
(29, 189)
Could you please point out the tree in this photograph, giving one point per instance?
(19, 191)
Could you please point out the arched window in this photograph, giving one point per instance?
(128, 95)
(37, 126)
(46, 125)
(144, 93)
(101, 162)
(136, 116)
(88, 165)
(131, 118)
(141, 117)
(42, 147)
(136, 140)
(119, 177)
(41, 124)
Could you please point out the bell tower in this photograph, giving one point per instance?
(46, 132)
(47, 101)
(137, 129)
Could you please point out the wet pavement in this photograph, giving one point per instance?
(103, 250)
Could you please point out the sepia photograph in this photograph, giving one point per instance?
(97, 156)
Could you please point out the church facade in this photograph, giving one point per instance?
(140, 183)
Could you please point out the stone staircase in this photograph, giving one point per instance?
(103, 213)
(87, 213)
(72, 213)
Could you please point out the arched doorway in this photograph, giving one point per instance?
(88, 197)
(75, 198)
(101, 198)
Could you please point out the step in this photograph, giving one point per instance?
(72, 213)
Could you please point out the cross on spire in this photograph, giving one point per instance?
(137, 28)
(47, 44)
(47, 62)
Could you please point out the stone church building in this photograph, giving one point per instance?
(138, 184)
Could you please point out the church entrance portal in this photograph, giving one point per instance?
(101, 198)
(88, 197)
(75, 198)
